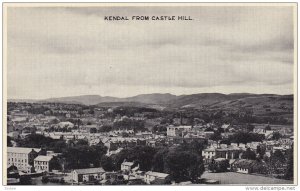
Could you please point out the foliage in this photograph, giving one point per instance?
(276, 136)
(136, 125)
(218, 166)
(159, 158)
(105, 128)
(93, 130)
(83, 156)
(183, 165)
(107, 163)
(159, 128)
(40, 141)
(9, 141)
(289, 174)
(248, 154)
(245, 137)
(261, 150)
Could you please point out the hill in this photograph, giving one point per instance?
(258, 103)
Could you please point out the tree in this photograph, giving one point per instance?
(246, 137)
(277, 163)
(183, 165)
(82, 155)
(106, 163)
(260, 150)
(268, 128)
(159, 160)
(276, 136)
(278, 156)
(289, 174)
(124, 134)
(248, 154)
(216, 136)
(218, 166)
(105, 128)
(93, 130)
(9, 141)
(250, 127)
(55, 164)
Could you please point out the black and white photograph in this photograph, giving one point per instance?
(148, 94)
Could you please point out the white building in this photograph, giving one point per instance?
(173, 131)
(209, 153)
(85, 175)
(21, 157)
(42, 163)
(126, 166)
(157, 177)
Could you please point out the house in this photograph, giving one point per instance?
(86, 175)
(174, 131)
(209, 153)
(225, 126)
(138, 174)
(112, 178)
(66, 124)
(43, 163)
(244, 166)
(126, 166)
(230, 152)
(22, 158)
(151, 177)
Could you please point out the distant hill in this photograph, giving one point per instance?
(258, 103)
(209, 99)
(122, 104)
(152, 98)
(85, 99)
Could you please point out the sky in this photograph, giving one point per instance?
(70, 51)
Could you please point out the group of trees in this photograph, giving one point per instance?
(81, 155)
(159, 128)
(126, 123)
(218, 166)
(243, 137)
(183, 162)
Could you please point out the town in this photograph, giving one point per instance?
(75, 144)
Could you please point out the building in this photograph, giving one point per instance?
(151, 177)
(86, 175)
(174, 131)
(231, 152)
(244, 166)
(209, 153)
(126, 166)
(22, 158)
(43, 163)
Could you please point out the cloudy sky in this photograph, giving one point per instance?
(56, 52)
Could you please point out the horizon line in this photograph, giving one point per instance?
(143, 94)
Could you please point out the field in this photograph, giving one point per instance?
(238, 178)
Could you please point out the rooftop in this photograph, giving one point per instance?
(127, 163)
(157, 174)
(89, 170)
(22, 150)
(43, 158)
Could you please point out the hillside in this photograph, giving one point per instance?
(152, 98)
(85, 99)
(257, 103)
